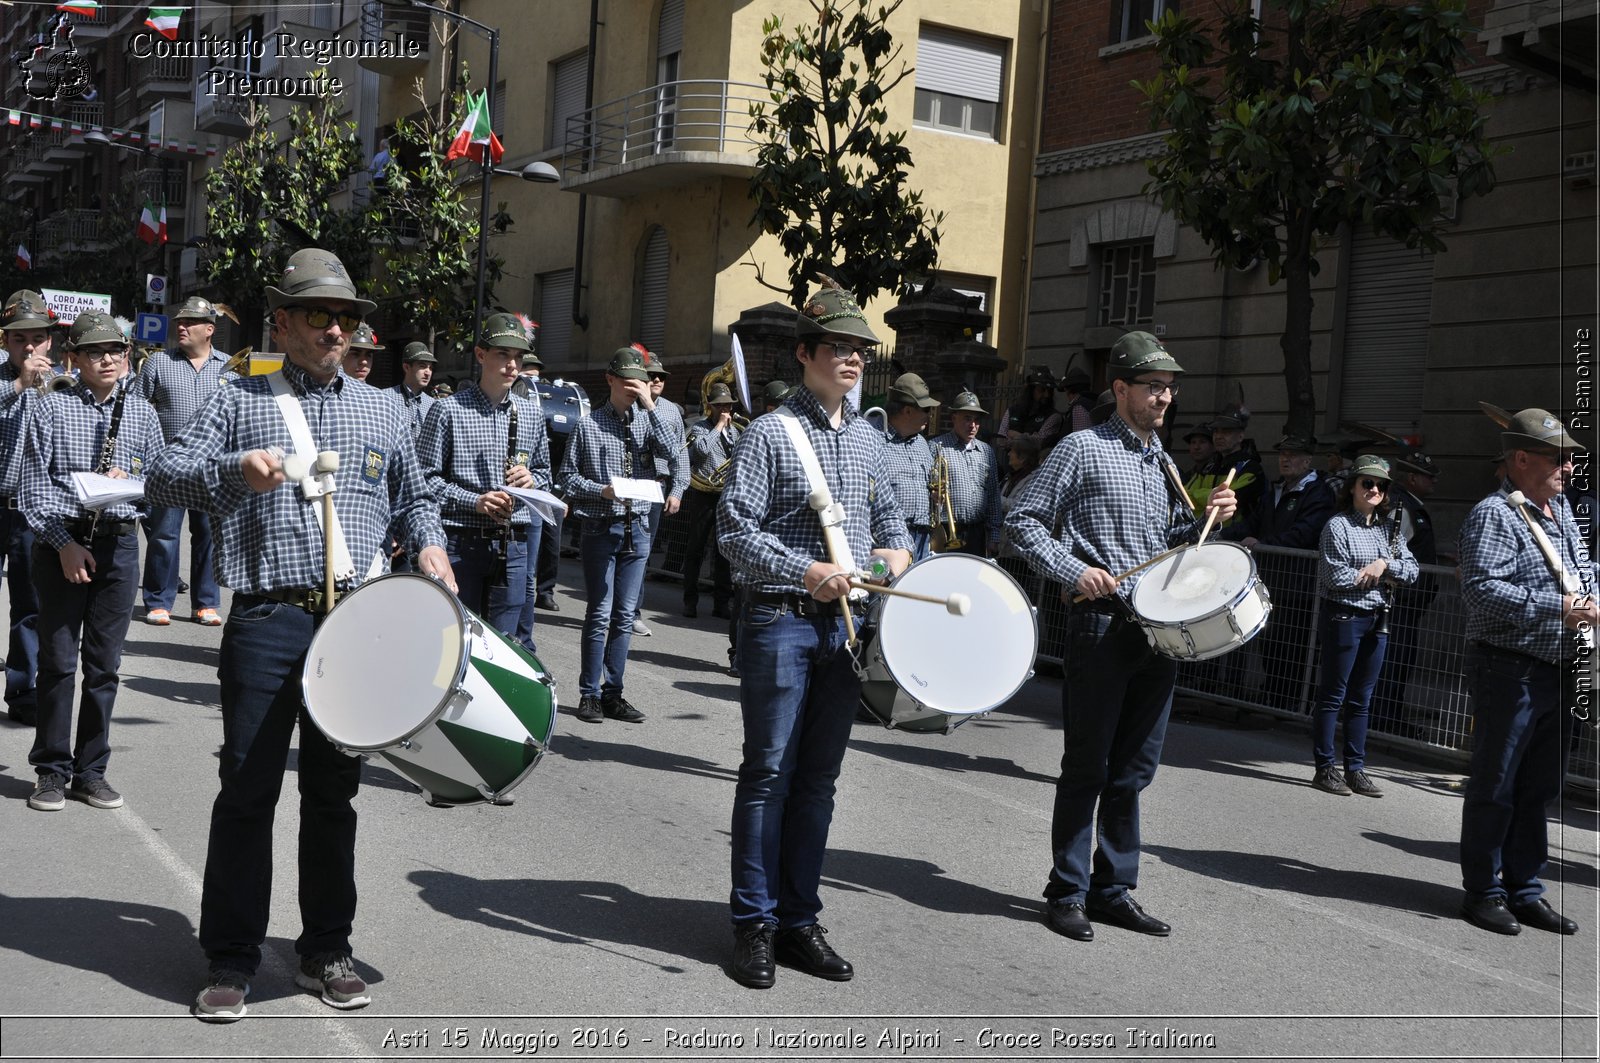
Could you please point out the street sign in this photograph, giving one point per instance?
(155, 289)
(150, 328)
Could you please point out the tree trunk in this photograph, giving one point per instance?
(1296, 339)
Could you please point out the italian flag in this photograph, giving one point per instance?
(153, 224)
(79, 7)
(24, 260)
(475, 135)
(164, 20)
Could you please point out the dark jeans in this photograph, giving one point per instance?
(798, 693)
(1519, 754)
(474, 560)
(263, 652)
(612, 579)
(1115, 701)
(162, 529)
(530, 566)
(22, 653)
(1352, 657)
(94, 616)
(700, 513)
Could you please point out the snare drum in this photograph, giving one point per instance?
(402, 670)
(1202, 602)
(929, 671)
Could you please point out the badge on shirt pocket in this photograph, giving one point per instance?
(372, 466)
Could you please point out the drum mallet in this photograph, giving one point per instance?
(296, 469)
(832, 517)
(956, 604)
(1211, 518)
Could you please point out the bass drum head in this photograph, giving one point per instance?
(385, 661)
(959, 664)
(1193, 583)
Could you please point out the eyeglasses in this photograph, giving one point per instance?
(843, 351)
(322, 317)
(104, 354)
(1368, 484)
(1158, 388)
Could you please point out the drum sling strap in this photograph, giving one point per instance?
(831, 515)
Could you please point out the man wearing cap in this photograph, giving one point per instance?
(625, 439)
(358, 362)
(1201, 455)
(1529, 585)
(85, 565)
(798, 687)
(773, 394)
(711, 441)
(544, 538)
(416, 368)
(177, 383)
(1115, 508)
(1075, 383)
(473, 445)
(974, 479)
(1415, 475)
(1035, 414)
(269, 550)
(1231, 452)
(26, 320)
(908, 457)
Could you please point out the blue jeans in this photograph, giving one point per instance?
(93, 618)
(1115, 701)
(473, 559)
(22, 653)
(1520, 728)
(531, 581)
(162, 528)
(263, 653)
(798, 692)
(1352, 657)
(921, 549)
(612, 579)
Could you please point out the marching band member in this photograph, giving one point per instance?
(908, 457)
(177, 383)
(711, 443)
(1116, 508)
(672, 471)
(358, 362)
(627, 438)
(798, 687)
(974, 478)
(270, 552)
(479, 439)
(85, 564)
(416, 366)
(1529, 585)
(26, 320)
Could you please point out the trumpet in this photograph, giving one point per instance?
(944, 537)
(714, 481)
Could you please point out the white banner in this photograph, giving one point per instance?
(68, 305)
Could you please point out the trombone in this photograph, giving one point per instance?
(943, 537)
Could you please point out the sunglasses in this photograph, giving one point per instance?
(322, 317)
(1368, 483)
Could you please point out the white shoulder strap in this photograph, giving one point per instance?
(300, 434)
(830, 513)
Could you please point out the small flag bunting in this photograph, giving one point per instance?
(164, 20)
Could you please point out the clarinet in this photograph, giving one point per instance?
(500, 575)
(107, 451)
(627, 503)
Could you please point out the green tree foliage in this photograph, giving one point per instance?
(1321, 114)
(272, 195)
(830, 181)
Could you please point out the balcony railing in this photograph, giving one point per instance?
(160, 186)
(219, 111)
(699, 125)
(77, 227)
(162, 73)
(404, 29)
(76, 119)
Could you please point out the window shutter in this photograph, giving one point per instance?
(555, 317)
(960, 64)
(653, 291)
(1389, 299)
(669, 30)
(566, 99)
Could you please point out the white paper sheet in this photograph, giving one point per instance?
(549, 508)
(97, 491)
(638, 490)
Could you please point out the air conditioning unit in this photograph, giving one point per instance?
(1578, 169)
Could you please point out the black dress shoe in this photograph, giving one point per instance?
(1069, 920)
(1126, 913)
(691, 609)
(1539, 914)
(752, 955)
(547, 602)
(1490, 913)
(806, 947)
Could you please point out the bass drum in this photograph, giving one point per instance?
(402, 670)
(927, 670)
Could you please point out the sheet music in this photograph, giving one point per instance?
(96, 491)
(549, 508)
(638, 490)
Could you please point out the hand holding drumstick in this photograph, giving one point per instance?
(1098, 583)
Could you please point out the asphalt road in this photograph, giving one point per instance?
(589, 919)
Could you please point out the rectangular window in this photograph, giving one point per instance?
(555, 317)
(960, 82)
(568, 82)
(1128, 17)
(1128, 283)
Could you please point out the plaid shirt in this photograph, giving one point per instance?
(1513, 600)
(66, 435)
(765, 524)
(416, 405)
(675, 465)
(1114, 507)
(908, 469)
(974, 482)
(596, 452)
(462, 452)
(169, 382)
(14, 409)
(1350, 544)
(272, 541)
(708, 448)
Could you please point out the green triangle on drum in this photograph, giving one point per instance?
(439, 786)
(528, 699)
(499, 761)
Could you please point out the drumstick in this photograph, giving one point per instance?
(821, 501)
(1120, 576)
(1213, 517)
(327, 465)
(955, 604)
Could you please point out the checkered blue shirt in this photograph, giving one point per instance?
(908, 469)
(596, 452)
(1350, 544)
(417, 405)
(1106, 492)
(169, 382)
(14, 410)
(974, 482)
(462, 452)
(676, 464)
(66, 434)
(765, 524)
(1513, 599)
(708, 448)
(272, 541)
